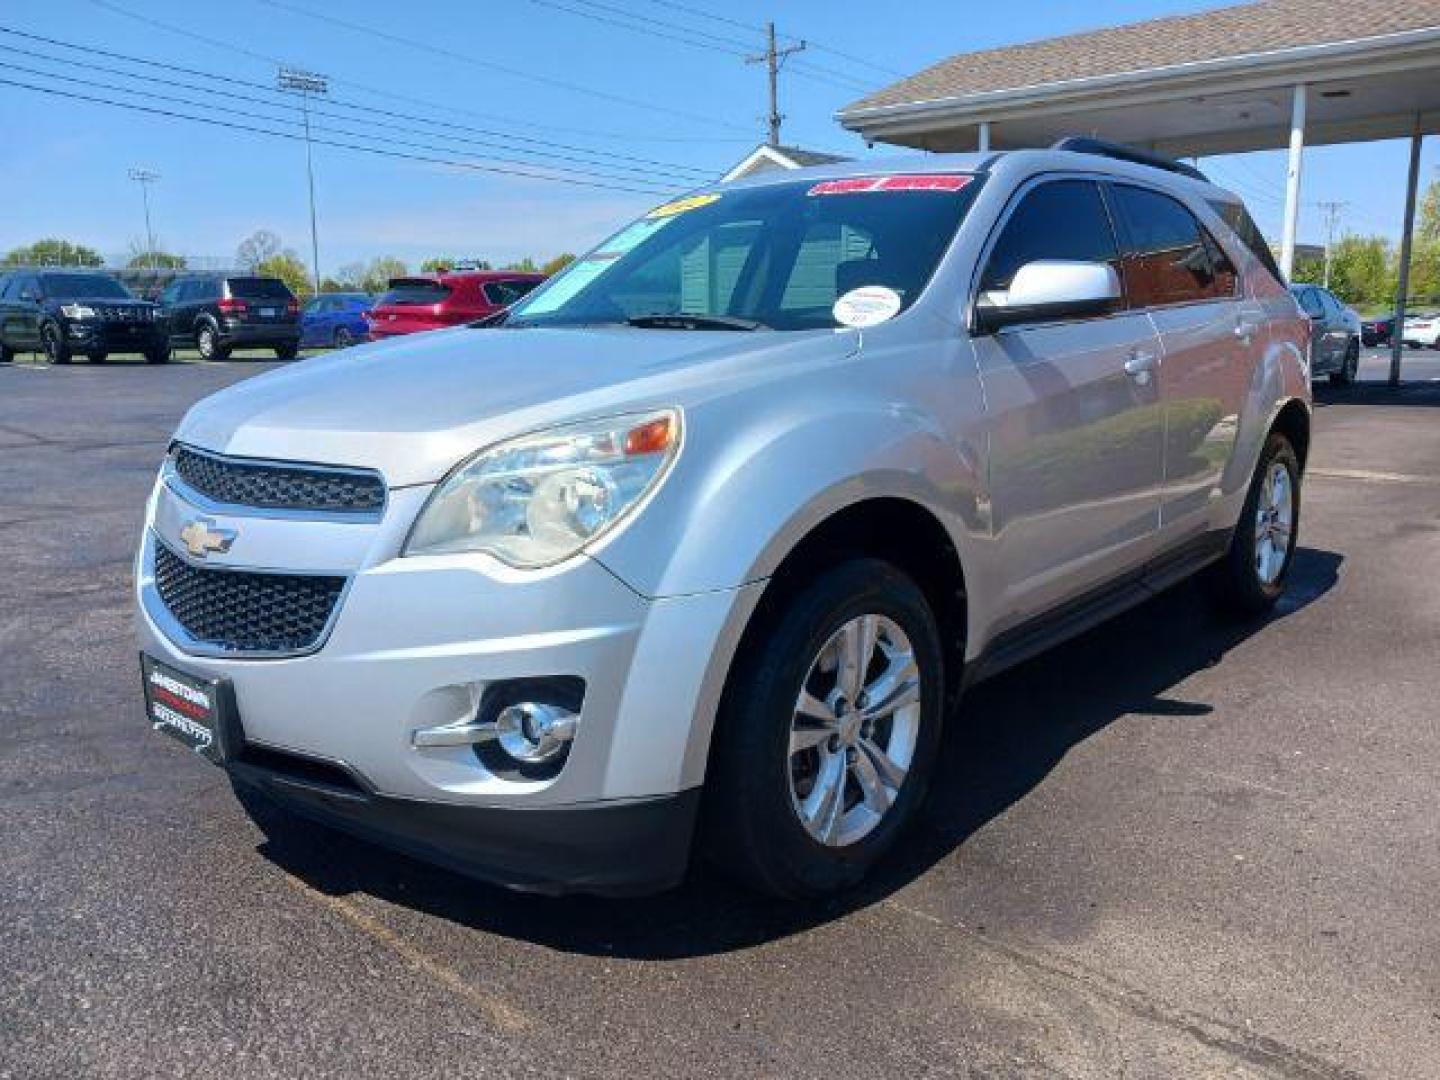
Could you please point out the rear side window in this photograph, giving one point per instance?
(1062, 219)
(412, 291)
(505, 293)
(1243, 225)
(1169, 257)
(1310, 301)
(259, 288)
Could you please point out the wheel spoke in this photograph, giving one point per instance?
(891, 772)
(857, 646)
(806, 736)
(897, 687)
(877, 796)
(825, 804)
(812, 708)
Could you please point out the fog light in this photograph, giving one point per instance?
(534, 733)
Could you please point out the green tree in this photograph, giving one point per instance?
(1425, 255)
(558, 263)
(53, 252)
(1362, 270)
(286, 265)
(436, 264)
(524, 266)
(162, 260)
(377, 275)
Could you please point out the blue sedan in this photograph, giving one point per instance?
(335, 320)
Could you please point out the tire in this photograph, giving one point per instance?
(1248, 581)
(1348, 367)
(343, 338)
(7, 354)
(287, 352)
(97, 357)
(207, 343)
(159, 355)
(56, 351)
(761, 784)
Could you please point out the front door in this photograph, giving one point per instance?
(1076, 423)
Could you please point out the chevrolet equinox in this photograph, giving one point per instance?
(695, 548)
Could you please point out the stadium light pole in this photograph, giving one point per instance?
(146, 177)
(306, 83)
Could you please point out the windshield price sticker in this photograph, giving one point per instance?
(924, 182)
(868, 305)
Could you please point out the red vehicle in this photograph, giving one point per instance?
(434, 301)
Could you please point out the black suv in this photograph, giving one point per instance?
(218, 313)
(64, 312)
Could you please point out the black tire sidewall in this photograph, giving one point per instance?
(753, 817)
(343, 338)
(52, 342)
(1242, 588)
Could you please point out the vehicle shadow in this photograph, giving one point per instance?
(1410, 394)
(1011, 732)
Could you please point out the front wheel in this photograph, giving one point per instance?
(827, 733)
(287, 352)
(207, 343)
(1252, 576)
(53, 342)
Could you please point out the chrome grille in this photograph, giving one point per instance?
(245, 610)
(280, 485)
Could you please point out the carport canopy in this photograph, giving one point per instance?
(1251, 77)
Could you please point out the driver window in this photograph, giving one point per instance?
(1061, 219)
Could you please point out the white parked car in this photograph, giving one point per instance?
(1421, 331)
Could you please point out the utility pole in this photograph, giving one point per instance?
(773, 58)
(307, 83)
(146, 177)
(1332, 218)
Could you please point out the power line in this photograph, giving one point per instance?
(465, 58)
(376, 151)
(601, 158)
(567, 165)
(688, 9)
(392, 95)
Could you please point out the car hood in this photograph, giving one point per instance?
(414, 407)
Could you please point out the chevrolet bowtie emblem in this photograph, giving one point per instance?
(201, 537)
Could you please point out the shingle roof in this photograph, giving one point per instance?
(808, 157)
(1180, 39)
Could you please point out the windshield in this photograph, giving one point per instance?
(83, 287)
(776, 256)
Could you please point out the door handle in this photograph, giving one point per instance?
(1140, 366)
(1245, 329)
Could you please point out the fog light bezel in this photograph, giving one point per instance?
(562, 695)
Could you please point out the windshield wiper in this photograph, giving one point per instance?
(694, 322)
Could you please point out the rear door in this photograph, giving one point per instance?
(1178, 273)
(1075, 415)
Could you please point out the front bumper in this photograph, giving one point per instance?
(621, 848)
(115, 337)
(414, 644)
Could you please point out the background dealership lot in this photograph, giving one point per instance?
(1170, 848)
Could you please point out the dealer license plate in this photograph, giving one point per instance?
(183, 706)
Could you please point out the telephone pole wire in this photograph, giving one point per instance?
(307, 83)
(774, 58)
(146, 177)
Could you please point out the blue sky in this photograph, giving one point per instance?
(686, 111)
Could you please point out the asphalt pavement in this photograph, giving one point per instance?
(1170, 848)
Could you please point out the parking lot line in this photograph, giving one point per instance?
(1372, 476)
(500, 1012)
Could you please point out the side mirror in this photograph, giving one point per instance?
(1047, 290)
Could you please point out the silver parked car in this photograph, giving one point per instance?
(698, 545)
(1334, 334)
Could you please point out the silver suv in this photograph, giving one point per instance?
(696, 547)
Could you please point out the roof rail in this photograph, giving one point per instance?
(1079, 144)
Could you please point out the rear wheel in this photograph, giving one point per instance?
(1348, 367)
(158, 355)
(7, 354)
(1253, 574)
(53, 342)
(207, 342)
(343, 338)
(98, 357)
(287, 352)
(827, 733)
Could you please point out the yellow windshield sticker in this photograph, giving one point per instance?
(680, 206)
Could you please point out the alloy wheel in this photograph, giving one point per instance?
(854, 731)
(1274, 522)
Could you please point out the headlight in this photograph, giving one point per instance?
(542, 498)
(77, 311)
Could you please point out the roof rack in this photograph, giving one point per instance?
(1079, 144)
